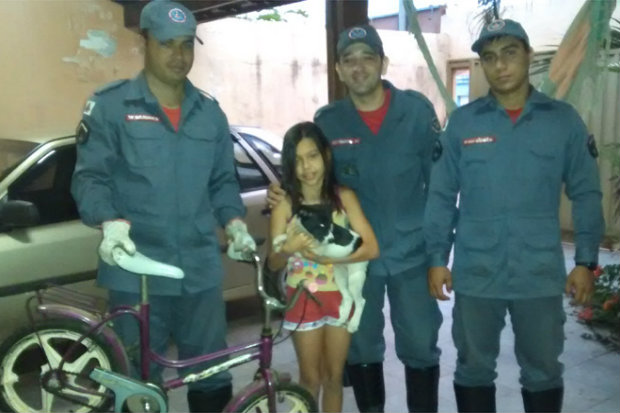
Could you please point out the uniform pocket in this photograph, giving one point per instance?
(475, 171)
(144, 144)
(479, 252)
(198, 150)
(346, 165)
(410, 240)
(541, 243)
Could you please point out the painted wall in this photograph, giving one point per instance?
(54, 54)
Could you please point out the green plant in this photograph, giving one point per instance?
(602, 314)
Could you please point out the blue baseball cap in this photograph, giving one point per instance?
(360, 34)
(500, 27)
(166, 20)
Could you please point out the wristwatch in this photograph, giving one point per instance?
(589, 265)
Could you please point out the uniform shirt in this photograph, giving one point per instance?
(388, 171)
(174, 187)
(510, 179)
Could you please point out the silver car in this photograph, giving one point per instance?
(42, 239)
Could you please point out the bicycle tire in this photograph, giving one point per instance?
(23, 362)
(290, 397)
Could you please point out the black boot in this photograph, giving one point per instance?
(422, 387)
(543, 401)
(475, 399)
(210, 401)
(368, 386)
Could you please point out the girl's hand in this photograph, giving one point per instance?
(296, 240)
(319, 259)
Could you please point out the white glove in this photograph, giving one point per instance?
(115, 234)
(239, 240)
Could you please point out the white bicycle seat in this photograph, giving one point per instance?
(143, 265)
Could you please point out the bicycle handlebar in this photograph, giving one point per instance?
(141, 264)
(272, 302)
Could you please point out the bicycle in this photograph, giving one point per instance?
(75, 362)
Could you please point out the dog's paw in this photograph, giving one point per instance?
(352, 327)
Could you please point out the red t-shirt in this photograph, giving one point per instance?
(174, 115)
(374, 118)
(514, 114)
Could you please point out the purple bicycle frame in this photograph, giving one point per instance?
(260, 350)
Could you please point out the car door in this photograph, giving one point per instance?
(60, 248)
(254, 175)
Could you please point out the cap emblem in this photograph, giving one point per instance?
(496, 25)
(357, 33)
(177, 15)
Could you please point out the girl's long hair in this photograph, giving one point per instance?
(290, 183)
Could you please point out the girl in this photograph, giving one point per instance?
(320, 343)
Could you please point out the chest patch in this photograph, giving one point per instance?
(479, 140)
(141, 117)
(345, 141)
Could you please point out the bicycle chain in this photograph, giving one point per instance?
(51, 377)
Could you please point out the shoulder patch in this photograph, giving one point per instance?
(592, 146)
(111, 86)
(88, 107)
(82, 132)
(437, 150)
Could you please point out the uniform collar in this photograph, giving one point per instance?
(536, 98)
(139, 90)
(393, 91)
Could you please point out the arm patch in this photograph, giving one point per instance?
(82, 132)
(592, 146)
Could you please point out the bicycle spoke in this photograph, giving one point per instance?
(53, 357)
(80, 364)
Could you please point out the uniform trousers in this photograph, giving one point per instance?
(415, 319)
(538, 326)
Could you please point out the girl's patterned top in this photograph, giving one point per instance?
(318, 277)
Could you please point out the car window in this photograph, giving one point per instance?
(248, 172)
(11, 153)
(266, 151)
(47, 185)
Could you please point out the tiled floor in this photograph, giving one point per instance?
(592, 372)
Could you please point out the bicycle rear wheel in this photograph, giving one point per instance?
(290, 397)
(28, 355)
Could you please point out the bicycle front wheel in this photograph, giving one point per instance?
(28, 355)
(290, 397)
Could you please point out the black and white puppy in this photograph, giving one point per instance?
(335, 241)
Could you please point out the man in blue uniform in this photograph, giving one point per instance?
(382, 141)
(155, 170)
(508, 154)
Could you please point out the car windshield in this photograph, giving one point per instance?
(11, 153)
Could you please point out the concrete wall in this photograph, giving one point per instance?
(274, 75)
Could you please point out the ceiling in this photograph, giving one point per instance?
(204, 10)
